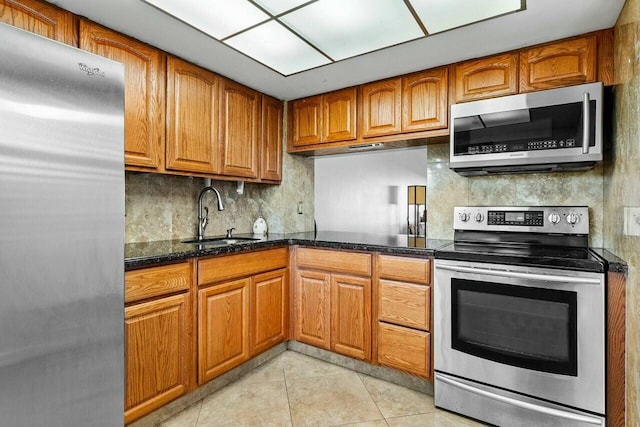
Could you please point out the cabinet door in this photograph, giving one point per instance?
(339, 115)
(41, 18)
(405, 349)
(558, 64)
(381, 108)
(144, 97)
(486, 77)
(223, 328)
(158, 337)
(312, 307)
(269, 306)
(192, 118)
(239, 130)
(307, 121)
(424, 100)
(351, 316)
(271, 135)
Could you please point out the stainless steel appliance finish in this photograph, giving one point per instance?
(520, 343)
(557, 129)
(61, 235)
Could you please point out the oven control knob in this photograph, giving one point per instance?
(464, 216)
(479, 217)
(554, 218)
(572, 218)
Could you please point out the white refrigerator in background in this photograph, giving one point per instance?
(61, 235)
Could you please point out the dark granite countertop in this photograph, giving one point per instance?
(616, 265)
(147, 254)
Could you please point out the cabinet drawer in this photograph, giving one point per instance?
(414, 270)
(155, 281)
(228, 267)
(334, 261)
(404, 349)
(404, 304)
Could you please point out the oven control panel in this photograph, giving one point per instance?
(541, 219)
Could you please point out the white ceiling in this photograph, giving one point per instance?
(542, 21)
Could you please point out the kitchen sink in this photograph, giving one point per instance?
(221, 241)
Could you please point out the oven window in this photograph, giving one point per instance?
(533, 328)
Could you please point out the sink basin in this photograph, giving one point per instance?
(221, 241)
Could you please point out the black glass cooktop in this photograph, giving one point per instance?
(569, 258)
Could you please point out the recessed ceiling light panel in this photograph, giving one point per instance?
(276, 7)
(278, 48)
(343, 29)
(218, 18)
(439, 15)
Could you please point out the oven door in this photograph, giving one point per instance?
(535, 331)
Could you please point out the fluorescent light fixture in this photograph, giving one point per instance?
(343, 29)
(278, 48)
(218, 18)
(442, 15)
(291, 36)
(276, 7)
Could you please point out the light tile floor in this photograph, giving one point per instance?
(296, 390)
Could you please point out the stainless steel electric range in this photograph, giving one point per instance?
(519, 316)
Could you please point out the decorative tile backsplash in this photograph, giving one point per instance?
(446, 189)
(163, 207)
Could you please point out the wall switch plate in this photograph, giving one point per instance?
(631, 221)
(299, 208)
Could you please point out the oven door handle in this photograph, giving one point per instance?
(518, 275)
(525, 405)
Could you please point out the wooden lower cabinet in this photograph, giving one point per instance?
(333, 307)
(351, 316)
(158, 353)
(313, 309)
(404, 348)
(159, 337)
(223, 328)
(243, 302)
(403, 314)
(269, 308)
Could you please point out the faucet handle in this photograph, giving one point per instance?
(230, 232)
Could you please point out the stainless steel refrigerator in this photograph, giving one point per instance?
(61, 235)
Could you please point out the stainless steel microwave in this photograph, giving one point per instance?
(546, 131)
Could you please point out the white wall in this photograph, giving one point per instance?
(367, 192)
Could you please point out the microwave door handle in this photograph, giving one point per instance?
(586, 126)
(519, 403)
(518, 275)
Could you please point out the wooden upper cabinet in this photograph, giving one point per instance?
(41, 18)
(192, 118)
(339, 115)
(307, 121)
(239, 130)
(381, 108)
(485, 78)
(424, 100)
(144, 97)
(558, 64)
(271, 139)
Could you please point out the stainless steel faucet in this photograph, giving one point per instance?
(203, 218)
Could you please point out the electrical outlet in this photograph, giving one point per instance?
(631, 221)
(299, 208)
